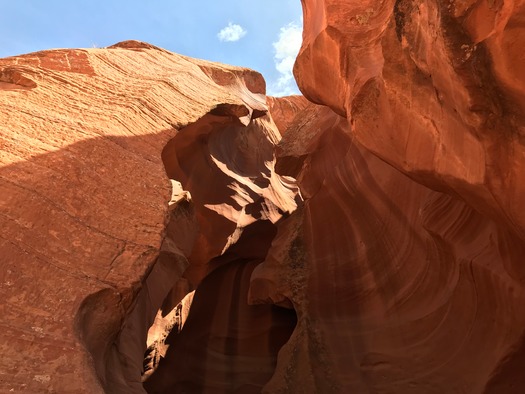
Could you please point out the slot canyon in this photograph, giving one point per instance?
(166, 227)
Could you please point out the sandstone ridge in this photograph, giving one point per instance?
(95, 239)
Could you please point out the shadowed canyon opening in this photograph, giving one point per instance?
(377, 247)
(192, 311)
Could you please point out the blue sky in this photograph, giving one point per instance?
(260, 34)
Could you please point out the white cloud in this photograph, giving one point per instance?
(231, 33)
(286, 49)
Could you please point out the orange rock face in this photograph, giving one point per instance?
(432, 88)
(159, 235)
(91, 243)
(405, 263)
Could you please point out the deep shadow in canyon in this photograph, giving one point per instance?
(226, 345)
(222, 329)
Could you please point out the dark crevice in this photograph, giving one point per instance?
(223, 344)
(161, 336)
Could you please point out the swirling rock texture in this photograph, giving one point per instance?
(377, 247)
(397, 287)
(406, 263)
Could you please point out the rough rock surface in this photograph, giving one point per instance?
(382, 252)
(90, 244)
(406, 263)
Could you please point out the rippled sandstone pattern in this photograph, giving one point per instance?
(406, 263)
(397, 266)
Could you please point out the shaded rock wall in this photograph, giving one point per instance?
(225, 345)
(377, 247)
(397, 287)
(91, 243)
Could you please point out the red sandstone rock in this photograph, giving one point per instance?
(404, 262)
(284, 110)
(433, 88)
(398, 288)
(225, 345)
(90, 244)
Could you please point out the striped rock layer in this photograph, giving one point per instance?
(124, 171)
(159, 235)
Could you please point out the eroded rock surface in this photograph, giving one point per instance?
(407, 256)
(378, 247)
(94, 239)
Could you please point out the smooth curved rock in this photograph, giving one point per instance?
(431, 87)
(397, 287)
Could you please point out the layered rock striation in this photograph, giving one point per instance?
(159, 235)
(397, 287)
(95, 239)
(408, 251)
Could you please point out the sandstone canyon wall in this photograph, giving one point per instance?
(159, 235)
(94, 237)
(411, 238)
